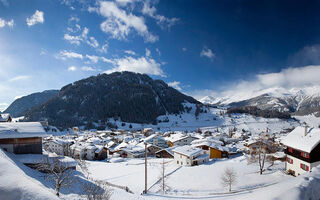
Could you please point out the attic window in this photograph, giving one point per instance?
(305, 155)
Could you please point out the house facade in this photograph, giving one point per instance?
(302, 150)
(189, 156)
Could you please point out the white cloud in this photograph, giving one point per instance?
(106, 60)
(64, 54)
(119, 23)
(175, 84)
(93, 59)
(104, 48)
(3, 106)
(87, 68)
(123, 2)
(162, 21)
(5, 2)
(184, 49)
(145, 65)
(283, 81)
(72, 68)
(130, 52)
(19, 78)
(4, 23)
(309, 55)
(36, 18)
(83, 37)
(10, 23)
(206, 52)
(148, 52)
(72, 39)
(158, 51)
(93, 42)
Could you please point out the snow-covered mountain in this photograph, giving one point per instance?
(299, 101)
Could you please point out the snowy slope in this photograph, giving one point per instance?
(213, 119)
(15, 184)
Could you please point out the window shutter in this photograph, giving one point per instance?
(301, 166)
(291, 161)
(307, 168)
(308, 155)
(287, 159)
(301, 154)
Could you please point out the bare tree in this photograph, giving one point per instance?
(84, 167)
(228, 178)
(97, 190)
(163, 179)
(259, 153)
(57, 172)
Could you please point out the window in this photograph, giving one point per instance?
(289, 160)
(304, 167)
(305, 155)
(177, 162)
(290, 149)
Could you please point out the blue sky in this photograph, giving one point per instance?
(200, 47)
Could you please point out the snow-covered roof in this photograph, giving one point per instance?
(151, 137)
(188, 150)
(297, 140)
(21, 130)
(4, 117)
(169, 150)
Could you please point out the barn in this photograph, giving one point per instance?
(22, 137)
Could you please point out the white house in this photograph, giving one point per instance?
(180, 139)
(303, 149)
(5, 117)
(189, 156)
(156, 140)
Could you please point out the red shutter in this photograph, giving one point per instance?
(307, 155)
(301, 165)
(291, 161)
(287, 159)
(307, 168)
(301, 154)
(290, 149)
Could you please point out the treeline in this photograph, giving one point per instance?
(256, 112)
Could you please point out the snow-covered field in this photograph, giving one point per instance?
(191, 181)
(203, 182)
(199, 182)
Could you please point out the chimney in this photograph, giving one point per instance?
(305, 128)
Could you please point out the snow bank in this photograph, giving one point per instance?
(15, 184)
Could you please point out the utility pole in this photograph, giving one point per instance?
(145, 168)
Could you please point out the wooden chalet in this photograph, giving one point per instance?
(22, 137)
